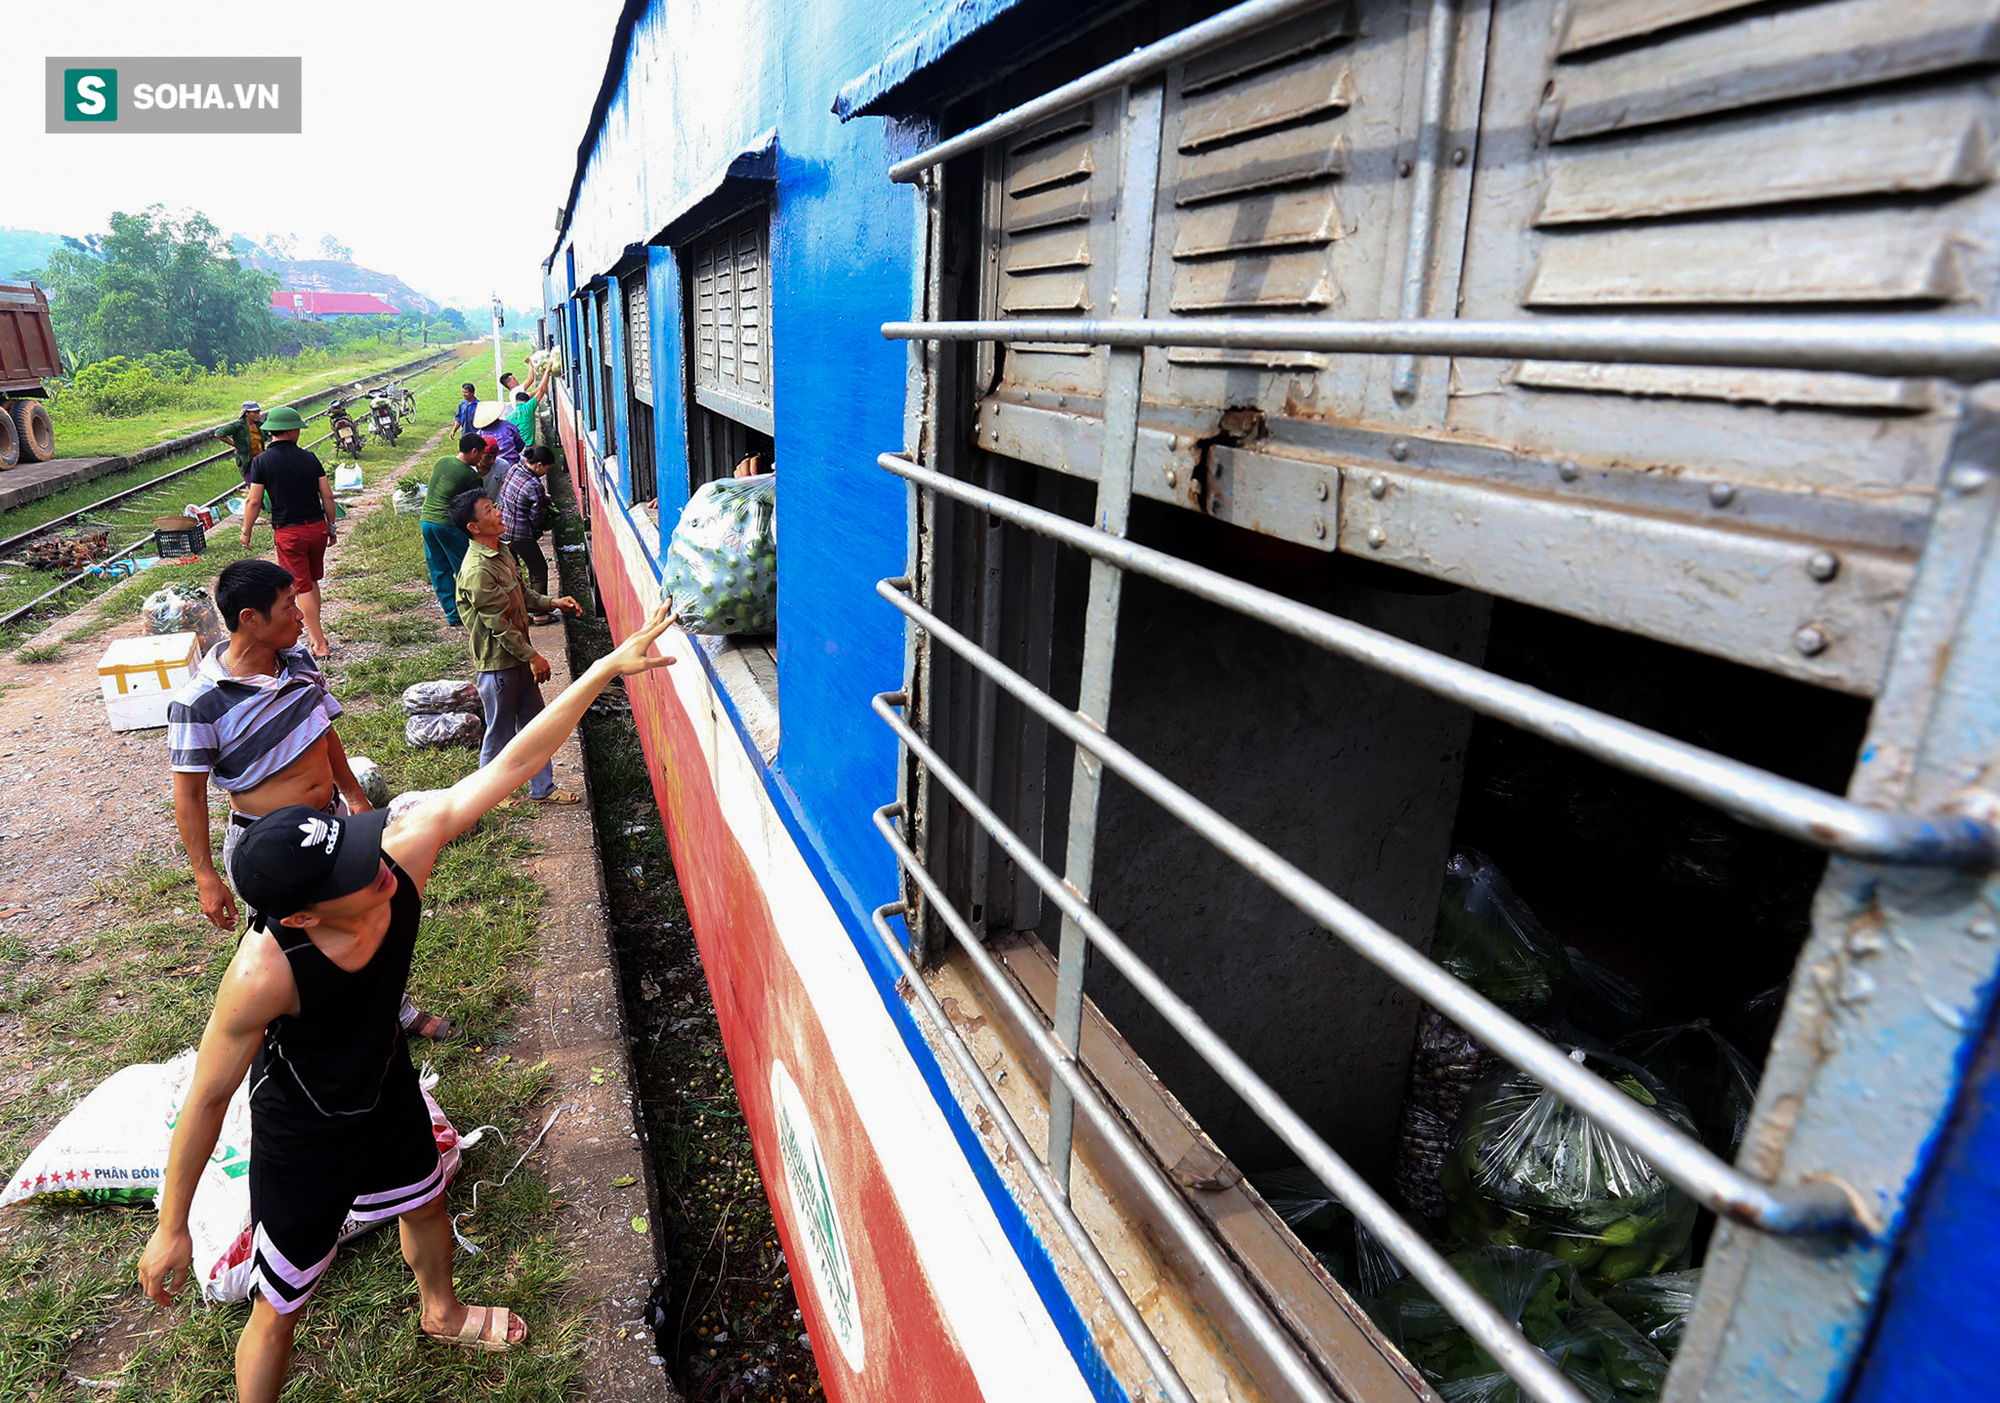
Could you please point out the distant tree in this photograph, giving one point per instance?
(156, 282)
(334, 249)
(283, 247)
(455, 319)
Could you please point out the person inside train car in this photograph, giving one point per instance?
(444, 544)
(302, 514)
(245, 434)
(338, 1124)
(524, 513)
(467, 403)
(257, 719)
(495, 606)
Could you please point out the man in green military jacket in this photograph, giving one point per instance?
(245, 435)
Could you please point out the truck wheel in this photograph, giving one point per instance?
(10, 442)
(32, 426)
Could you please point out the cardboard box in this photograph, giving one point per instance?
(139, 676)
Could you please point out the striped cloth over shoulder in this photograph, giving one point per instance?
(242, 730)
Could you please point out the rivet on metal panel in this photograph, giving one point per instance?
(1458, 156)
(1400, 449)
(1984, 930)
(1567, 470)
(1378, 486)
(1062, 401)
(1810, 640)
(1721, 493)
(1319, 489)
(1319, 527)
(1966, 478)
(1173, 478)
(1403, 167)
(1377, 537)
(1823, 566)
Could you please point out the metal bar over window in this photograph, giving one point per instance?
(1754, 796)
(1231, 24)
(1966, 349)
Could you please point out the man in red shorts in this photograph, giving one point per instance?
(301, 512)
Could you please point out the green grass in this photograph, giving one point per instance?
(39, 653)
(140, 988)
(216, 399)
(436, 391)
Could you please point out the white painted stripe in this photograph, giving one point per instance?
(983, 1290)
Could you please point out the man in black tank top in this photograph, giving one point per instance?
(337, 1123)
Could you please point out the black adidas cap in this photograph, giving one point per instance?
(288, 860)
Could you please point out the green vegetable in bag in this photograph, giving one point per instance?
(1657, 1306)
(721, 571)
(1525, 1170)
(1598, 1351)
(1705, 1071)
(1487, 937)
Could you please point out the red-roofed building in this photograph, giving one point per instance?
(306, 302)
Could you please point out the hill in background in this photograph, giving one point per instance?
(338, 275)
(23, 250)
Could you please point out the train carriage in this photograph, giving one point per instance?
(1230, 461)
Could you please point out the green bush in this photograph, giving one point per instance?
(173, 367)
(119, 388)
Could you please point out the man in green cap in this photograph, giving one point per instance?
(301, 513)
(246, 436)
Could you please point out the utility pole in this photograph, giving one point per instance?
(499, 367)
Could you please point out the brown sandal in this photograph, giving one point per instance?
(434, 1026)
(486, 1329)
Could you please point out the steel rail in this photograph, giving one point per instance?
(1178, 1219)
(1966, 349)
(1756, 797)
(1818, 1208)
(119, 496)
(1231, 24)
(84, 575)
(1101, 1272)
(1526, 1364)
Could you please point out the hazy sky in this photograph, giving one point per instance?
(476, 110)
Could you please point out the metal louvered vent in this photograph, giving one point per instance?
(639, 339)
(730, 296)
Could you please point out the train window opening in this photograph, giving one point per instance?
(607, 416)
(636, 324)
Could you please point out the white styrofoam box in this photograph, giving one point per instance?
(139, 676)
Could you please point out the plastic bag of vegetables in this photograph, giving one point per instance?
(1657, 1306)
(446, 728)
(374, 784)
(1487, 936)
(1525, 1170)
(1598, 1351)
(1701, 1067)
(1325, 1227)
(1603, 1002)
(721, 569)
(444, 694)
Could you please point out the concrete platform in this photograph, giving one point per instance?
(30, 482)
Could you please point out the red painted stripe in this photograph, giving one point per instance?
(765, 1011)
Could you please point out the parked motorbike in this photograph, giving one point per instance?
(346, 437)
(382, 419)
(399, 395)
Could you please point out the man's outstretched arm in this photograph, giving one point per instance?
(414, 843)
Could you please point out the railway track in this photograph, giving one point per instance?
(12, 545)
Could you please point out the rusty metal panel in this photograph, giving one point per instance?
(1893, 145)
(1826, 390)
(1766, 57)
(1263, 101)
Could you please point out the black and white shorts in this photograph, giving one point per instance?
(379, 1166)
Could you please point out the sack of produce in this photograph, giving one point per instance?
(721, 571)
(1605, 1357)
(446, 728)
(1603, 1002)
(436, 698)
(112, 1146)
(1487, 937)
(1657, 1306)
(185, 609)
(1704, 1070)
(410, 799)
(369, 776)
(409, 498)
(1525, 1170)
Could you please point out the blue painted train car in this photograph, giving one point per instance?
(1248, 477)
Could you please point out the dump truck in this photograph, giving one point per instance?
(28, 357)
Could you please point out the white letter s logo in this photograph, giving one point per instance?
(90, 95)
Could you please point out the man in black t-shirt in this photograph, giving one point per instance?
(301, 512)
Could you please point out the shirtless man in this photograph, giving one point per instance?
(257, 718)
(337, 1123)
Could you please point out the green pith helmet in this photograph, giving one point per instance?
(283, 419)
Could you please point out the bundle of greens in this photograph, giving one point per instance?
(1606, 1358)
(1701, 1067)
(1525, 1170)
(721, 570)
(1657, 1306)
